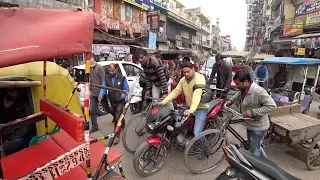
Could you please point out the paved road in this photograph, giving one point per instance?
(291, 159)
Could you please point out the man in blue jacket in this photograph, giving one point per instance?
(115, 80)
(261, 73)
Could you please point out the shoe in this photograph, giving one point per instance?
(92, 130)
(116, 140)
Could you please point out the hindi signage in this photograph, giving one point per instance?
(307, 6)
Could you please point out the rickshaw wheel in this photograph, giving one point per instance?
(313, 158)
(201, 161)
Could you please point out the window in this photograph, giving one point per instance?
(131, 70)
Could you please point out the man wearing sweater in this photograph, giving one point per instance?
(155, 75)
(257, 104)
(193, 98)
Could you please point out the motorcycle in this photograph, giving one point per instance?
(247, 166)
(170, 128)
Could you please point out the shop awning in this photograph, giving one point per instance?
(282, 40)
(307, 35)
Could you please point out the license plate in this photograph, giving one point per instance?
(213, 86)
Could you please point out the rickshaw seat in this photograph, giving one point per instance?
(70, 123)
(23, 162)
(67, 143)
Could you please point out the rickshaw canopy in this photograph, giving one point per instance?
(291, 61)
(261, 56)
(236, 53)
(53, 33)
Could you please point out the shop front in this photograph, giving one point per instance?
(111, 52)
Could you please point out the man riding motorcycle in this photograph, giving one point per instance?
(261, 73)
(193, 98)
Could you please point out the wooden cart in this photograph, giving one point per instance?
(293, 127)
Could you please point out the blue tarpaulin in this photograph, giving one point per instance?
(291, 60)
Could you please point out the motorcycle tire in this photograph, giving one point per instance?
(136, 107)
(101, 110)
(139, 155)
(224, 176)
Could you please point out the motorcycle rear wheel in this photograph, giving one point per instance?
(211, 148)
(158, 164)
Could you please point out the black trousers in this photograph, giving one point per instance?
(117, 108)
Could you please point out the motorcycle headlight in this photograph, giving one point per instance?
(151, 126)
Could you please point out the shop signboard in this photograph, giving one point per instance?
(307, 7)
(293, 29)
(143, 4)
(301, 51)
(152, 43)
(153, 20)
(313, 18)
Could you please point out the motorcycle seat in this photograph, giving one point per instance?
(266, 166)
(213, 104)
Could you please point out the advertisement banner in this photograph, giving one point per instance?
(152, 43)
(154, 19)
(313, 18)
(292, 29)
(116, 10)
(307, 6)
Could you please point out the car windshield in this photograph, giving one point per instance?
(78, 75)
(210, 63)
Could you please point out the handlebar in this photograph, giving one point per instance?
(236, 113)
(217, 89)
(180, 112)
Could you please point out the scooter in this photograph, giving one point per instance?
(247, 166)
(136, 102)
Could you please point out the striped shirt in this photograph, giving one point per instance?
(155, 74)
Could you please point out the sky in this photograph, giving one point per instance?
(232, 15)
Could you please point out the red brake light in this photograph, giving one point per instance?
(226, 154)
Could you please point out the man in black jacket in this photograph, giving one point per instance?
(224, 74)
(115, 80)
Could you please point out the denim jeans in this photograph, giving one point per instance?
(200, 119)
(93, 111)
(255, 140)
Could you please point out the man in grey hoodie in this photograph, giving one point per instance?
(257, 104)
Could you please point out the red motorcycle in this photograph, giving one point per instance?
(170, 128)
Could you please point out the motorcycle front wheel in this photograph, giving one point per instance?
(136, 107)
(147, 152)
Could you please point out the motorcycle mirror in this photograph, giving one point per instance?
(170, 128)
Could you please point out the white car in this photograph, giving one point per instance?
(130, 70)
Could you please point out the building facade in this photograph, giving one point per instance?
(291, 27)
(204, 25)
(254, 25)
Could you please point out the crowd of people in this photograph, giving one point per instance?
(254, 100)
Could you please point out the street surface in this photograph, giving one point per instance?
(291, 159)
